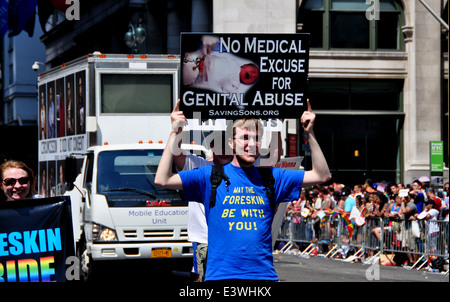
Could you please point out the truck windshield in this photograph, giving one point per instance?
(127, 179)
(136, 93)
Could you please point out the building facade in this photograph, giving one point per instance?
(18, 107)
(378, 77)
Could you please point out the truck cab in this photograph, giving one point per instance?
(118, 211)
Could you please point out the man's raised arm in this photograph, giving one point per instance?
(320, 172)
(164, 175)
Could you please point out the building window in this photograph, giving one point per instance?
(350, 24)
(356, 94)
(359, 127)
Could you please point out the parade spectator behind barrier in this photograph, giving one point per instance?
(316, 204)
(360, 203)
(418, 193)
(357, 190)
(408, 210)
(17, 181)
(392, 191)
(350, 202)
(295, 208)
(331, 192)
(300, 211)
(431, 214)
(340, 199)
(380, 210)
(314, 198)
(394, 218)
(394, 209)
(447, 189)
(368, 186)
(325, 200)
(431, 194)
(380, 204)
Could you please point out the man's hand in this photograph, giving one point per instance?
(307, 119)
(320, 172)
(178, 119)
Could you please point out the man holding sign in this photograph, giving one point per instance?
(239, 222)
(244, 75)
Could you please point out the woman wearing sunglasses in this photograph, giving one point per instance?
(17, 181)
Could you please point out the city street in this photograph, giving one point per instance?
(133, 128)
(291, 268)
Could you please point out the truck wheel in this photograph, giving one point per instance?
(86, 262)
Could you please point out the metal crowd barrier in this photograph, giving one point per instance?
(330, 236)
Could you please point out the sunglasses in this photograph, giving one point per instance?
(9, 182)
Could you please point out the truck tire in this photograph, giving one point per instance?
(86, 262)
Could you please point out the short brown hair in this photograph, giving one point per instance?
(251, 123)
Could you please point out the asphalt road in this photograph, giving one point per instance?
(300, 278)
(291, 268)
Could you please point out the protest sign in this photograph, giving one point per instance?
(36, 237)
(233, 76)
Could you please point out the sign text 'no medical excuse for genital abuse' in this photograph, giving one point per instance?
(233, 76)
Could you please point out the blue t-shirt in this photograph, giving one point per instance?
(239, 225)
(350, 202)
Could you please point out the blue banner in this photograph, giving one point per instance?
(21, 16)
(3, 17)
(36, 238)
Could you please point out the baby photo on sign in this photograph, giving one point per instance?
(221, 72)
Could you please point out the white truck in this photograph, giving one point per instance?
(103, 121)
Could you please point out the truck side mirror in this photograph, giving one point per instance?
(70, 172)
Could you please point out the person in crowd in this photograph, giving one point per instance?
(394, 209)
(18, 181)
(380, 210)
(234, 240)
(418, 193)
(296, 207)
(380, 204)
(368, 186)
(431, 214)
(392, 192)
(297, 212)
(350, 202)
(408, 210)
(357, 190)
(360, 202)
(393, 213)
(431, 194)
(340, 198)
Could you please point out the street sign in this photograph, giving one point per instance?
(436, 157)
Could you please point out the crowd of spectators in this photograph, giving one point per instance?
(391, 202)
(378, 200)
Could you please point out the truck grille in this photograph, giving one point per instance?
(149, 234)
(158, 233)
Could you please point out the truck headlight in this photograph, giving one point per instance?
(102, 233)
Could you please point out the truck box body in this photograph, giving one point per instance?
(112, 112)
